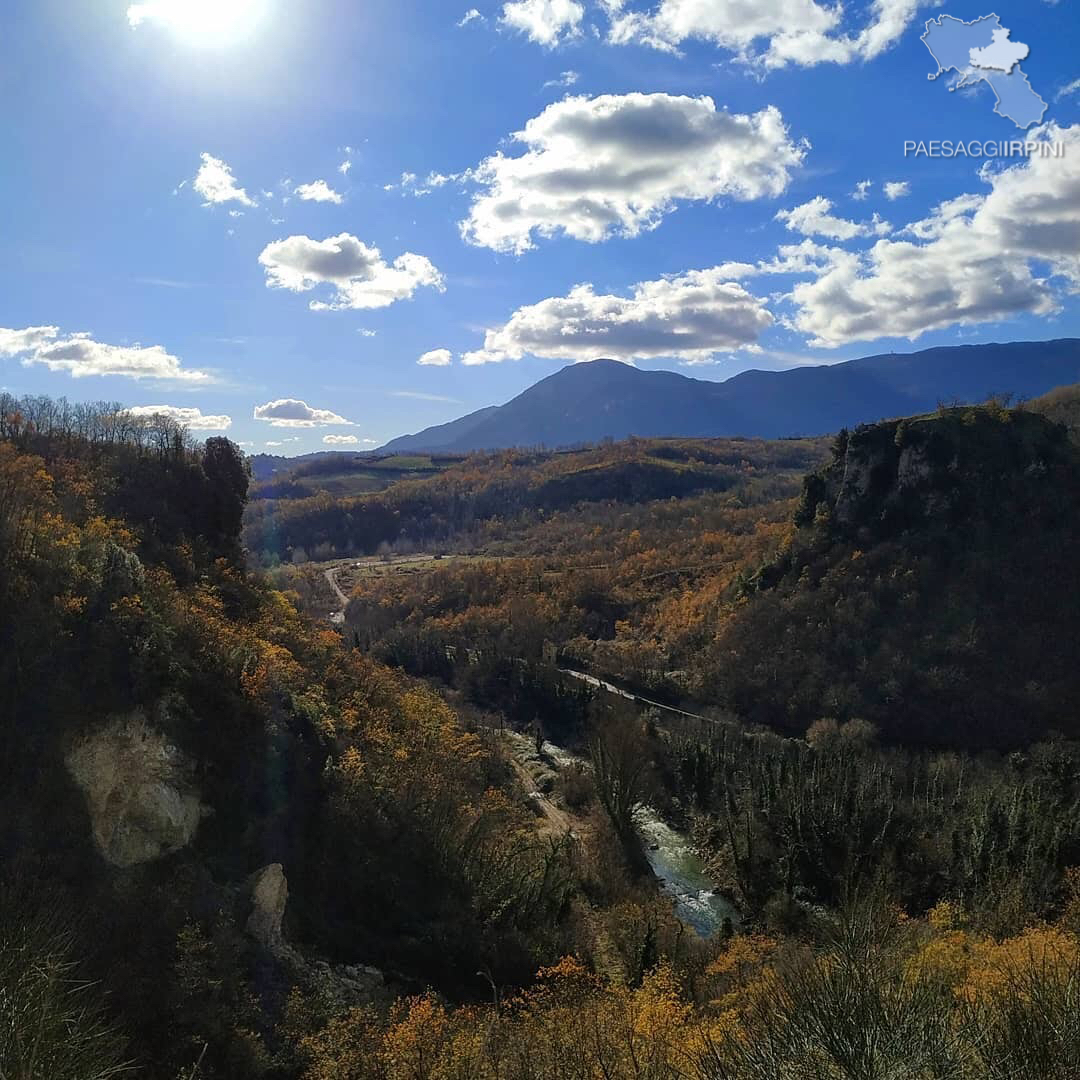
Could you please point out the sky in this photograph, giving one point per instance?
(322, 224)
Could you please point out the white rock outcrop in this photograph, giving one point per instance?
(346, 985)
(142, 801)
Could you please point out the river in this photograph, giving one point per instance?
(681, 874)
(679, 870)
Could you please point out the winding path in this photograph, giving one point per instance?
(331, 579)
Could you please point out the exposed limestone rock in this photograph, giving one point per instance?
(269, 895)
(344, 984)
(139, 792)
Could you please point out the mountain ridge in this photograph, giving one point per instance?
(602, 398)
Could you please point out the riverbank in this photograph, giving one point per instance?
(679, 871)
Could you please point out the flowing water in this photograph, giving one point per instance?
(678, 868)
(682, 875)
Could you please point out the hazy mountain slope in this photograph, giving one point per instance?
(456, 431)
(588, 402)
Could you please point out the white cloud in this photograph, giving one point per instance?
(216, 184)
(862, 190)
(291, 413)
(361, 278)
(689, 317)
(365, 332)
(813, 218)
(897, 189)
(318, 191)
(547, 22)
(341, 440)
(344, 167)
(805, 257)
(565, 80)
(80, 356)
(411, 184)
(769, 33)
(436, 358)
(617, 164)
(978, 258)
(16, 342)
(472, 15)
(192, 419)
(1068, 90)
(416, 395)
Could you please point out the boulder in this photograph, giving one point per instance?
(139, 791)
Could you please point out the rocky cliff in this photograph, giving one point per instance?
(935, 472)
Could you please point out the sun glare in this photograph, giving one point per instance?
(202, 22)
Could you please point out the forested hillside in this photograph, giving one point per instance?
(171, 726)
(463, 503)
(237, 842)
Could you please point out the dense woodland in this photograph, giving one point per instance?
(874, 631)
(468, 503)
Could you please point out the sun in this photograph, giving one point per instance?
(202, 22)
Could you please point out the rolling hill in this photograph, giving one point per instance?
(588, 402)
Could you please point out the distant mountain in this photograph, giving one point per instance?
(589, 402)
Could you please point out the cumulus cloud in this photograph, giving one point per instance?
(617, 164)
(814, 218)
(689, 317)
(547, 22)
(15, 342)
(216, 184)
(768, 33)
(470, 16)
(862, 190)
(897, 189)
(341, 440)
(360, 277)
(291, 413)
(192, 419)
(318, 191)
(81, 356)
(978, 258)
(436, 358)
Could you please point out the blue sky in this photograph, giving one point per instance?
(687, 198)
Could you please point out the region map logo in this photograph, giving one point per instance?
(982, 51)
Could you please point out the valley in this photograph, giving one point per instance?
(654, 725)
